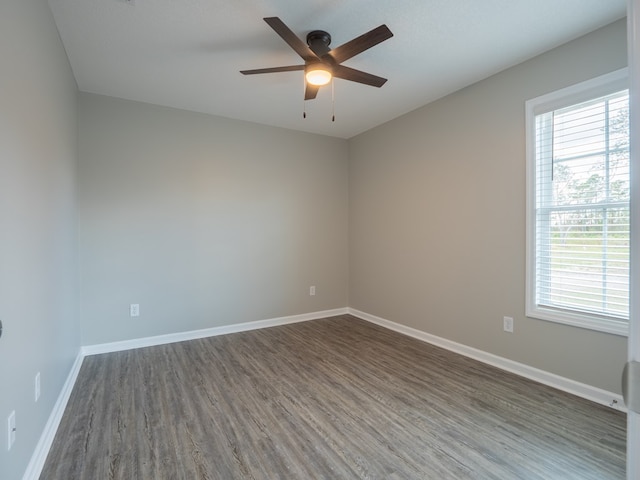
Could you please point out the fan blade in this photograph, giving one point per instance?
(291, 38)
(290, 68)
(310, 91)
(346, 73)
(360, 44)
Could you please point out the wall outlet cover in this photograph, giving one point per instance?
(11, 430)
(508, 324)
(37, 386)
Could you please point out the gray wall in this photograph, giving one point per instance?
(204, 221)
(437, 209)
(38, 156)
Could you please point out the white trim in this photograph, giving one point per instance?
(588, 90)
(206, 332)
(46, 439)
(576, 319)
(580, 92)
(633, 52)
(594, 394)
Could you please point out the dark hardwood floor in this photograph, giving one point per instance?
(336, 398)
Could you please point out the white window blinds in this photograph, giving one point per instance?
(581, 258)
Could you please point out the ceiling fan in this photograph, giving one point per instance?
(322, 63)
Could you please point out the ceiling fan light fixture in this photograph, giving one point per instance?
(318, 76)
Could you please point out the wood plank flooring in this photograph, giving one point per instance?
(336, 398)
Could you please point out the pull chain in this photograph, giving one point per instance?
(304, 102)
(333, 101)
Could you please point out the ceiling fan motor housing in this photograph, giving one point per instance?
(319, 41)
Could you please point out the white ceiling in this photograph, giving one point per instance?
(187, 53)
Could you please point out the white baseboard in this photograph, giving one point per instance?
(207, 332)
(46, 439)
(589, 392)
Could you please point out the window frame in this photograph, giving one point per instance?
(572, 95)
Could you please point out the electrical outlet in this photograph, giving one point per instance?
(312, 290)
(134, 310)
(11, 429)
(37, 386)
(507, 324)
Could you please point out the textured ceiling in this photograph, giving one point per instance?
(187, 53)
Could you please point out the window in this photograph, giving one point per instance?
(578, 205)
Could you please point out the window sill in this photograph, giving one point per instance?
(575, 319)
